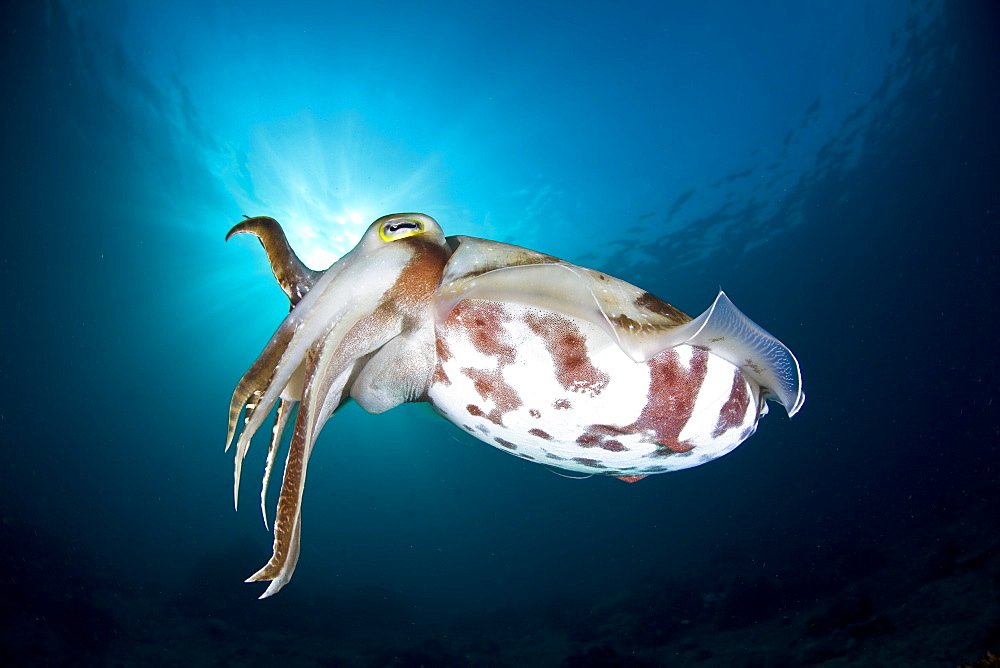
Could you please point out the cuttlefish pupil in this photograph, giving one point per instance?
(408, 225)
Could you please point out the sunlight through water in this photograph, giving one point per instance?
(326, 181)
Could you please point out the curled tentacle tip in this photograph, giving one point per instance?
(234, 230)
(250, 225)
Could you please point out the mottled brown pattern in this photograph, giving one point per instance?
(656, 305)
(673, 390)
(440, 377)
(731, 415)
(540, 434)
(535, 413)
(491, 385)
(592, 463)
(484, 323)
(288, 500)
(568, 349)
(422, 274)
(597, 435)
(493, 416)
(562, 405)
(624, 322)
(290, 496)
(506, 444)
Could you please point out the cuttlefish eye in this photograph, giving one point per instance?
(396, 228)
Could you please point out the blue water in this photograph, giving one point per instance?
(833, 166)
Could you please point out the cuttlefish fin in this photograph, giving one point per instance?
(632, 317)
(472, 256)
(641, 324)
(730, 334)
(295, 278)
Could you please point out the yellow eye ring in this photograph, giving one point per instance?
(400, 228)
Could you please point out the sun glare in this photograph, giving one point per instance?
(326, 182)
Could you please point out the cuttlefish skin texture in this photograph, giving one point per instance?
(552, 362)
(556, 390)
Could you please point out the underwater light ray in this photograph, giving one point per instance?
(327, 181)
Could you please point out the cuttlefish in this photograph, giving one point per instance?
(549, 361)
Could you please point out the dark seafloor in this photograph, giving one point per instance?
(846, 197)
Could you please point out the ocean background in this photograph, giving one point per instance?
(832, 165)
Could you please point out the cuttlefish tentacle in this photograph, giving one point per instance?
(295, 278)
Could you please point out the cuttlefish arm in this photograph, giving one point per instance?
(363, 329)
(295, 280)
(641, 324)
(292, 275)
(327, 372)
